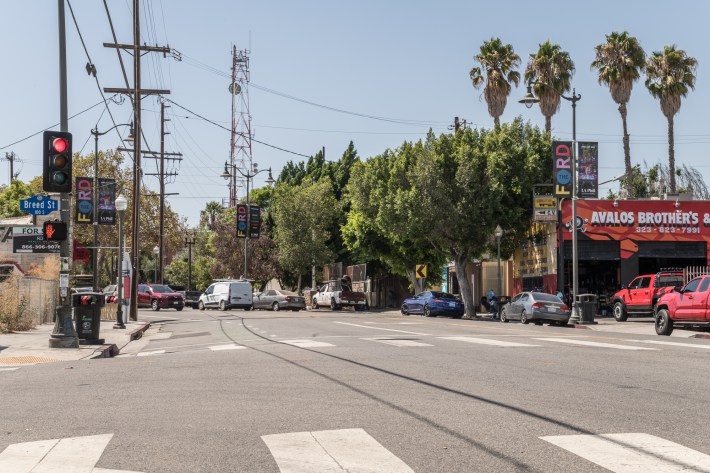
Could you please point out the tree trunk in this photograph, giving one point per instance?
(627, 153)
(548, 123)
(417, 284)
(496, 122)
(465, 285)
(298, 291)
(671, 155)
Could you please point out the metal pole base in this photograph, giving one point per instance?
(119, 326)
(63, 335)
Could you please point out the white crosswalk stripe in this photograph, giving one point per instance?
(151, 353)
(69, 455)
(399, 342)
(226, 347)
(594, 344)
(489, 341)
(672, 344)
(10, 369)
(633, 453)
(332, 451)
(307, 343)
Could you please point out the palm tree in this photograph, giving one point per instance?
(619, 63)
(669, 75)
(550, 70)
(500, 63)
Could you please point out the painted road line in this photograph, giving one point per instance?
(307, 343)
(398, 342)
(226, 347)
(9, 369)
(487, 341)
(673, 344)
(332, 451)
(593, 344)
(633, 453)
(151, 353)
(161, 336)
(380, 328)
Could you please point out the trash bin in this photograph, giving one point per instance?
(587, 304)
(87, 314)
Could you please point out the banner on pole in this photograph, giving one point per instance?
(107, 201)
(588, 169)
(562, 168)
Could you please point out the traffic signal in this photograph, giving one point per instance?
(57, 158)
(54, 231)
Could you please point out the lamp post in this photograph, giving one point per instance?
(498, 232)
(121, 206)
(248, 176)
(156, 250)
(529, 100)
(95, 253)
(189, 241)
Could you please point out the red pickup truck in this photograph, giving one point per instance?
(640, 296)
(686, 305)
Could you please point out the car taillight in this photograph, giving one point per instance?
(564, 308)
(288, 298)
(440, 301)
(538, 305)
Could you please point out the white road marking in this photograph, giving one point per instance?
(332, 451)
(633, 453)
(161, 336)
(307, 343)
(398, 342)
(380, 328)
(674, 344)
(487, 341)
(69, 455)
(226, 347)
(9, 369)
(592, 344)
(151, 353)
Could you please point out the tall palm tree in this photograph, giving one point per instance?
(669, 76)
(551, 71)
(619, 63)
(498, 69)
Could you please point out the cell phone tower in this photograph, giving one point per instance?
(240, 156)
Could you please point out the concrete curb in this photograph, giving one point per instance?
(105, 351)
(137, 332)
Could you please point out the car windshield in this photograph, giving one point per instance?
(161, 289)
(443, 295)
(541, 296)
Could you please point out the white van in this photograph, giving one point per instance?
(224, 295)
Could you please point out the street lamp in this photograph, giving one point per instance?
(156, 250)
(529, 100)
(498, 232)
(97, 133)
(121, 206)
(229, 175)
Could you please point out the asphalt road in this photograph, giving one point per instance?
(221, 392)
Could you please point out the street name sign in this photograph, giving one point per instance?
(39, 205)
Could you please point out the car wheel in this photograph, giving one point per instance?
(524, 317)
(178, 309)
(664, 324)
(314, 304)
(222, 305)
(427, 311)
(403, 309)
(620, 313)
(248, 308)
(503, 316)
(154, 305)
(201, 305)
(276, 306)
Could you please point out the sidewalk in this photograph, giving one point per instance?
(32, 347)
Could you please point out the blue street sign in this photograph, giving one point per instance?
(39, 205)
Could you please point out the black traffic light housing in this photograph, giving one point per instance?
(57, 161)
(54, 231)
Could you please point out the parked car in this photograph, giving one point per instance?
(538, 307)
(159, 296)
(279, 299)
(80, 289)
(641, 295)
(224, 295)
(687, 305)
(109, 290)
(433, 303)
(337, 294)
(192, 298)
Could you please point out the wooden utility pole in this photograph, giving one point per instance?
(11, 157)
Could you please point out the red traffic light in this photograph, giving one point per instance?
(54, 231)
(59, 145)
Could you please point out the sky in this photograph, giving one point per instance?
(375, 72)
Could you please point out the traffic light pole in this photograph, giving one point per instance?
(64, 335)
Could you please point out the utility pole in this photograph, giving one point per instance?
(136, 92)
(458, 125)
(189, 241)
(11, 157)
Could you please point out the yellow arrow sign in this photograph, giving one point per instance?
(420, 271)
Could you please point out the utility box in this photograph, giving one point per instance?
(587, 304)
(87, 314)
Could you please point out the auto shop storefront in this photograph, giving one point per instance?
(618, 240)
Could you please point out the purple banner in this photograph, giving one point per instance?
(107, 201)
(588, 169)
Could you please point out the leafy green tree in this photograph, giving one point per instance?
(177, 271)
(654, 181)
(551, 71)
(619, 63)
(10, 197)
(498, 64)
(669, 76)
(303, 216)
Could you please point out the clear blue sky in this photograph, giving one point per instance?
(405, 60)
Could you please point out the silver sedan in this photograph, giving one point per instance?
(538, 307)
(279, 299)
